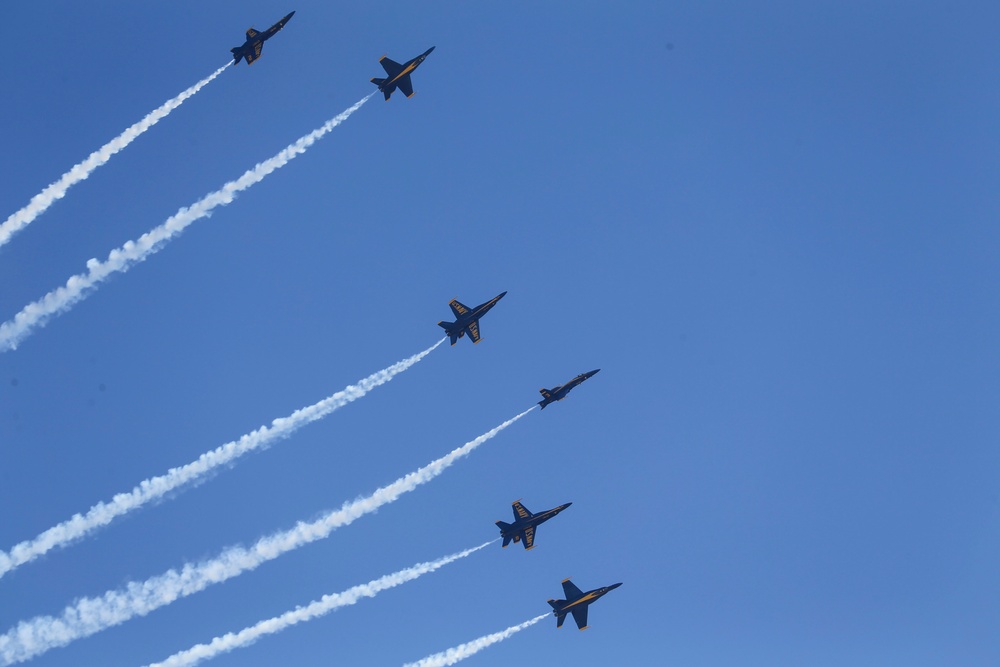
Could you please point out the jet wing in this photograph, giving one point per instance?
(458, 308)
(405, 85)
(251, 33)
(473, 330)
(580, 616)
(253, 54)
(571, 591)
(520, 511)
(391, 67)
(528, 538)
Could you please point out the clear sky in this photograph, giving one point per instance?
(773, 227)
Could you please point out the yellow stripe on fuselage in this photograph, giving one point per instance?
(406, 71)
(585, 598)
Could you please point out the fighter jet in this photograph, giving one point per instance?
(576, 603)
(467, 319)
(523, 528)
(255, 42)
(399, 75)
(559, 393)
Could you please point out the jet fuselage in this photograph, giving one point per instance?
(588, 598)
(250, 50)
(467, 319)
(577, 603)
(398, 75)
(514, 531)
(560, 392)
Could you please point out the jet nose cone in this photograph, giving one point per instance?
(290, 15)
(502, 295)
(428, 51)
(614, 586)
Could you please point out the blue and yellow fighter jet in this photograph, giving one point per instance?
(523, 528)
(255, 42)
(576, 603)
(467, 319)
(399, 75)
(559, 393)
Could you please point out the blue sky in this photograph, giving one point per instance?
(773, 229)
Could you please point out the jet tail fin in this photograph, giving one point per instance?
(237, 56)
(560, 616)
(385, 91)
(546, 397)
(446, 325)
(504, 527)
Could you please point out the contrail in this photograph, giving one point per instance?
(155, 488)
(41, 202)
(463, 651)
(315, 609)
(88, 616)
(37, 313)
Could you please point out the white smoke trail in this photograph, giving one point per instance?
(37, 313)
(463, 651)
(40, 202)
(315, 609)
(155, 488)
(88, 616)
